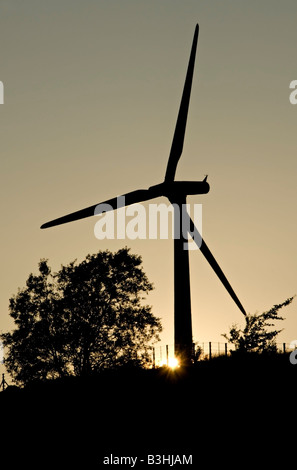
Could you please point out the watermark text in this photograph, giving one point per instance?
(1, 93)
(157, 221)
(1, 352)
(293, 94)
(293, 354)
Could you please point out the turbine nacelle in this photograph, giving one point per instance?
(173, 189)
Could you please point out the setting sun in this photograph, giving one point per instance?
(173, 363)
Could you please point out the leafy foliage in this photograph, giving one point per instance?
(256, 335)
(86, 317)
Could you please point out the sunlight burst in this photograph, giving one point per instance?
(173, 363)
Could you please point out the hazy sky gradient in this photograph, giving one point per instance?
(92, 90)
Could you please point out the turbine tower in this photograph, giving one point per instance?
(176, 192)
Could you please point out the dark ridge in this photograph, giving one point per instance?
(225, 403)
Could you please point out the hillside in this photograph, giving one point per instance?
(232, 405)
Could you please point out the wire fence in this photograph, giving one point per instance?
(164, 355)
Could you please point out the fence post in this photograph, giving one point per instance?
(284, 347)
(154, 359)
(226, 349)
(209, 346)
(167, 355)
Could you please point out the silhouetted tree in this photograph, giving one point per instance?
(256, 335)
(86, 317)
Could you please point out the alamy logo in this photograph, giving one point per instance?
(293, 354)
(1, 353)
(1, 93)
(136, 222)
(293, 94)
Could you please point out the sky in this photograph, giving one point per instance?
(91, 95)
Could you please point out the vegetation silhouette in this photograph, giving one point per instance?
(86, 317)
(85, 396)
(256, 336)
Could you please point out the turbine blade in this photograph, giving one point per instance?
(133, 197)
(180, 128)
(213, 263)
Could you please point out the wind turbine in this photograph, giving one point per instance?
(176, 192)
